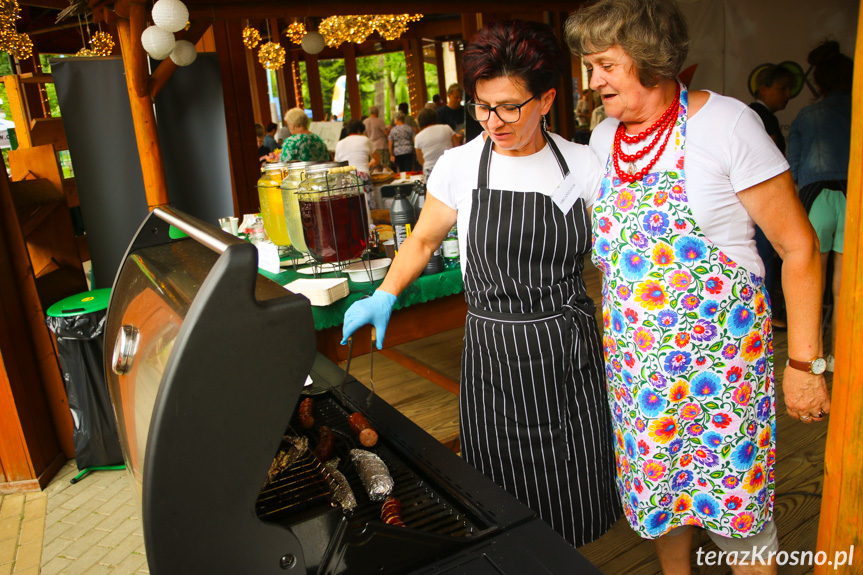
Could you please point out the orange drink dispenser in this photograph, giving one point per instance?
(272, 208)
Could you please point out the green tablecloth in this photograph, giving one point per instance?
(425, 288)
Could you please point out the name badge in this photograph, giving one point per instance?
(566, 193)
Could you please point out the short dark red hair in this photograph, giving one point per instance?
(514, 48)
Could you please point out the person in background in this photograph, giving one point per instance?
(453, 113)
(433, 140)
(377, 131)
(819, 148)
(401, 141)
(774, 85)
(582, 108)
(437, 102)
(263, 151)
(303, 145)
(688, 338)
(532, 406)
(269, 137)
(597, 116)
(282, 134)
(357, 150)
(404, 109)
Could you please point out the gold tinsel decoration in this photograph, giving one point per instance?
(295, 32)
(19, 45)
(102, 44)
(271, 56)
(251, 37)
(85, 52)
(8, 11)
(339, 29)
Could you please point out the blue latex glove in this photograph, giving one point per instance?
(374, 310)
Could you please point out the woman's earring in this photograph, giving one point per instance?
(544, 124)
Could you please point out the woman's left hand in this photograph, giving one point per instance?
(806, 395)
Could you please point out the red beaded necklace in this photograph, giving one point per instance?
(665, 124)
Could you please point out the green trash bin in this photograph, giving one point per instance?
(78, 322)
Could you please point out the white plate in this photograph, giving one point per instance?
(359, 272)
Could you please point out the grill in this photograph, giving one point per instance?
(206, 370)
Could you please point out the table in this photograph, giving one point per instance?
(430, 305)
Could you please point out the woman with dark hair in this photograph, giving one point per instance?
(358, 151)
(819, 149)
(532, 406)
(688, 346)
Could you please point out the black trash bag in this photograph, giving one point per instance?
(80, 342)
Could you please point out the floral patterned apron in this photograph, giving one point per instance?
(689, 361)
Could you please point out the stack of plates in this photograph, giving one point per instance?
(320, 291)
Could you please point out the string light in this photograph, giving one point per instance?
(272, 56)
(339, 29)
(298, 83)
(295, 32)
(19, 45)
(101, 44)
(251, 37)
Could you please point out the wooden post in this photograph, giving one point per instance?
(841, 524)
(353, 84)
(563, 111)
(143, 115)
(239, 119)
(417, 90)
(441, 73)
(316, 96)
(258, 88)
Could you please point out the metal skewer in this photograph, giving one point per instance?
(372, 367)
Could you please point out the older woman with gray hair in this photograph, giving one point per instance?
(303, 145)
(688, 338)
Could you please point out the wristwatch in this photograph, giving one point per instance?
(817, 366)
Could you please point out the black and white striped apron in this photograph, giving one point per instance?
(533, 406)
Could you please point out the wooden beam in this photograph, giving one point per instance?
(469, 25)
(323, 8)
(316, 96)
(353, 84)
(143, 114)
(840, 523)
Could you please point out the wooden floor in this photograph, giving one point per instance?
(799, 468)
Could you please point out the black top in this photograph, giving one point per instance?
(771, 124)
(455, 118)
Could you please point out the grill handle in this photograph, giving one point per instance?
(207, 234)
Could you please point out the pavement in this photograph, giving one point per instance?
(91, 527)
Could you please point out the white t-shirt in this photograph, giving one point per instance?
(356, 150)
(433, 141)
(455, 176)
(727, 151)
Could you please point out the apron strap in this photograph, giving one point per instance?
(484, 172)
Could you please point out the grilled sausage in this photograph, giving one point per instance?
(368, 436)
(391, 512)
(326, 442)
(306, 418)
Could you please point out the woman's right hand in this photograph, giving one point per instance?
(374, 310)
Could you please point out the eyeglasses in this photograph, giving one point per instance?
(509, 113)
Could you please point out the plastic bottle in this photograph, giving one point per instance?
(450, 248)
(402, 218)
(419, 195)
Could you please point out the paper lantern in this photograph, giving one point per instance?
(170, 15)
(157, 42)
(184, 53)
(312, 43)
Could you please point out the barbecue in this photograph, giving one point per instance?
(207, 363)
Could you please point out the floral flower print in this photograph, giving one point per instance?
(655, 222)
(663, 255)
(690, 249)
(650, 295)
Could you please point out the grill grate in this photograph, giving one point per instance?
(304, 486)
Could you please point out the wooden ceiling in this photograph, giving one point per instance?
(442, 21)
